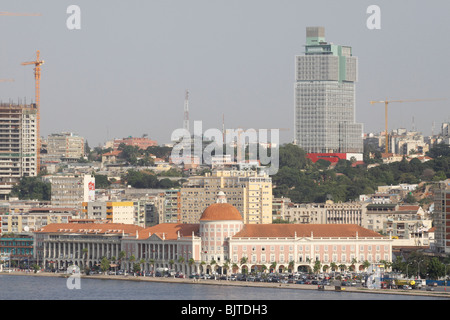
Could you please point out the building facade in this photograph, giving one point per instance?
(142, 143)
(65, 145)
(248, 191)
(221, 241)
(58, 246)
(442, 216)
(18, 145)
(325, 76)
(72, 190)
(168, 206)
(110, 211)
(17, 249)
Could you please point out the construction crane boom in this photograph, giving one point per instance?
(37, 76)
(386, 103)
(6, 80)
(19, 14)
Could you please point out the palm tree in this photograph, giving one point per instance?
(386, 264)
(226, 266)
(212, 263)
(191, 262)
(141, 264)
(152, 263)
(243, 261)
(132, 259)
(354, 262)
(273, 266)
(366, 264)
(308, 260)
(263, 270)
(104, 264)
(121, 256)
(291, 266)
(234, 266)
(317, 266)
(333, 266)
(85, 252)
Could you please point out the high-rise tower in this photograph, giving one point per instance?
(325, 97)
(18, 145)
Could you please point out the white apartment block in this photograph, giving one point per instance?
(324, 213)
(72, 190)
(32, 222)
(111, 211)
(65, 145)
(18, 145)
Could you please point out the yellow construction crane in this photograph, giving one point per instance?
(37, 76)
(17, 14)
(386, 102)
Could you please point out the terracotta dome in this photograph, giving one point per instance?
(221, 211)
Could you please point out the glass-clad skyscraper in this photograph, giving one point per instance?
(325, 97)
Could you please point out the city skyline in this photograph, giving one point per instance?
(125, 72)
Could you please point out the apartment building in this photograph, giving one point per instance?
(168, 207)
(65, 145)
(250, 192)
(142, 143)
(34, 220)
(18, 145)
(442, 216)
(110, 211)
(72, 190)
(323, 213)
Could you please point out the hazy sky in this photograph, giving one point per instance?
(126, 70)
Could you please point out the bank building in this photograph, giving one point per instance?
(220, 243)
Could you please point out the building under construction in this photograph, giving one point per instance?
(18, 144)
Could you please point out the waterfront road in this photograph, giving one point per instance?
(440, 292)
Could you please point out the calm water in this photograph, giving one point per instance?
(52, 288)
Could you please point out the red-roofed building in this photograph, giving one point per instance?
(220, 238)
(142, 143)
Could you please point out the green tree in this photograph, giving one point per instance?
(101, 181)
(105, 264)
(32, 188)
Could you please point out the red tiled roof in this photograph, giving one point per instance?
(221, 211)
(305, 230)
(112, 153)
(408, 208)
(170, 230)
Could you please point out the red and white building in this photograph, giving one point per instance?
(219, 241)
(222, 240)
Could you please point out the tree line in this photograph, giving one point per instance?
(303, 181)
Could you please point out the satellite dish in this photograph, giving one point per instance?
(26, 228)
